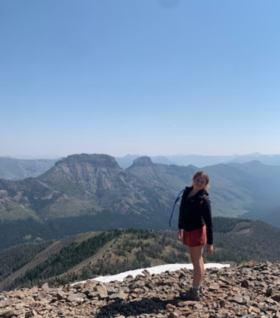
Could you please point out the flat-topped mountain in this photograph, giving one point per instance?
(85, 173)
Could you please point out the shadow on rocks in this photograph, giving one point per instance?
(152, 305)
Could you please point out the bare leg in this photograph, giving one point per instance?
(198, 264)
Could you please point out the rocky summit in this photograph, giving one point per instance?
(143, 161)
(248, 290)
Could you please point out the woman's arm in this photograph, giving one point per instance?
(207, 216)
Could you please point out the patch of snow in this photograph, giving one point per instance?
(152, 270)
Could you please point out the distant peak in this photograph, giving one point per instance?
(143, 161)
(255, 162)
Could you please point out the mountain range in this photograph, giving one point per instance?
(201, 161)
(18, 169)
(92, 192)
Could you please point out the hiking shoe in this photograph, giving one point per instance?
(190, 295)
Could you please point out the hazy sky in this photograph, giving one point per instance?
(139, 76)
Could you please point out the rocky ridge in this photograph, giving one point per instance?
(247, 290)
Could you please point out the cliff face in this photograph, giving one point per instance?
(86, 172)
(248, 290)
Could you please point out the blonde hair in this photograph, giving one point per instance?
(202, 174)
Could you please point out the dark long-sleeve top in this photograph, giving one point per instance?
(195, 212)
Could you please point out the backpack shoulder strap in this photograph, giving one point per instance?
(181, 193)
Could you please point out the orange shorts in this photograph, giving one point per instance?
(195, 238)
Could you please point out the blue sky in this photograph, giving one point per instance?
(150, 77)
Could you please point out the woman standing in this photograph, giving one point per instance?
(196, 229)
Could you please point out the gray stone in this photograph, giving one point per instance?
(102, 291)
(77, 297)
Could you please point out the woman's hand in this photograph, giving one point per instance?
(209, 249)
(180, 234)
